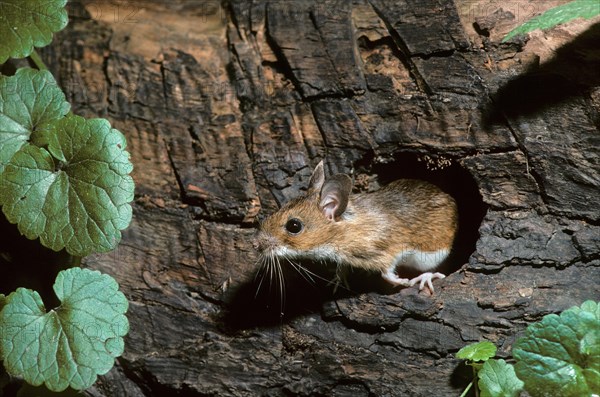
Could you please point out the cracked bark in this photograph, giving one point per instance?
(230, 120)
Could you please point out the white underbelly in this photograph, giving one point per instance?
(421, 260)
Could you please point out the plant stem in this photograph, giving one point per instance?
(464, 393)
(75, 261)
(35, 57)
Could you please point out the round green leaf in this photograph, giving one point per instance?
(479, 351)
(70, 345)
(498, 379)
(77, 193)
(28, 23)
(28, 100)
(560, 355)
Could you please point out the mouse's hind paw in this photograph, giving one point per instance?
(425, 279)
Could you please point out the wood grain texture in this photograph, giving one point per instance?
(228, 108)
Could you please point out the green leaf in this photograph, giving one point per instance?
(28, 23)
(560, 355)
(555, 16)
(72, 344)
(28, 101)
(2, 301)
(479, 351)
(498, 379)
(76, 194)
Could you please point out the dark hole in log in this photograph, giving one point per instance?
(28, 264)
(454, 180)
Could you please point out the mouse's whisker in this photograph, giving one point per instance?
(260, 264)
(309, 272)
(263, 268)
(272, 272)
(275, 278)
(262, 278)
(281, 285)
(305, 273)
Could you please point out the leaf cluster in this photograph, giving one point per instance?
(65, 180)
(560, 355)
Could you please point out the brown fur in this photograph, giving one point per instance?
(404, 215)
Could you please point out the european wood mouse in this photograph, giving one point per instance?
(407, 224)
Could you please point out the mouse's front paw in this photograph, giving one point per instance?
(391, 277)
(426, 278)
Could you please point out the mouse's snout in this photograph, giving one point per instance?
(264, 241)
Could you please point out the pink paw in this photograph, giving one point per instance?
(426, 278)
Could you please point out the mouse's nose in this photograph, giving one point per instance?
(264, 241)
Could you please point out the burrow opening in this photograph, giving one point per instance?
(452, 178)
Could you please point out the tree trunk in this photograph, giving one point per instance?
(228, 108)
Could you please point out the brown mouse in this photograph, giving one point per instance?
(407, 224)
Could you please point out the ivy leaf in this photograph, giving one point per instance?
(28, 100)
(28, 23)
(560, 355)
(555, 16)
(76, 194)
(498, 379)
(480, 351)
(72, 344)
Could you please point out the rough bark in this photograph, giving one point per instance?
(226, 109)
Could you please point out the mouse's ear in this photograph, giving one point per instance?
(317, 178)
(334, 196)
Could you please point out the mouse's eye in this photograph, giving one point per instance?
(294, 226)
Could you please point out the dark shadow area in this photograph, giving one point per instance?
(14, 387)
(26, 263)
(573, 71)
(457, 182)
(9, 68)
(261, 302)
(461, 377)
